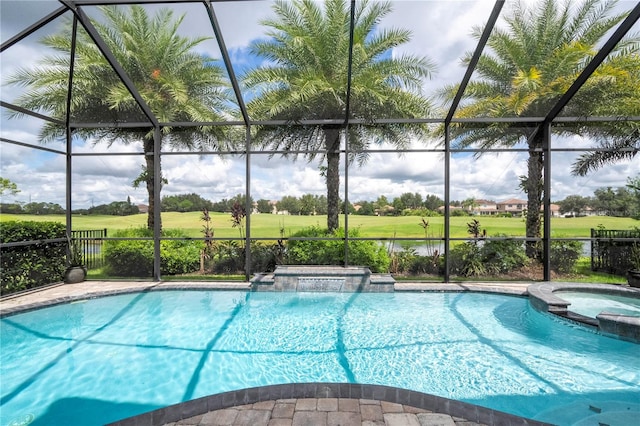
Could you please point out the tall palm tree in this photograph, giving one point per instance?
(306, 79)
(529, 65)
(177, 84)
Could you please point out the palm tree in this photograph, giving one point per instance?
(615, 141)
(177, 84)
(529, 65)
(306, 79)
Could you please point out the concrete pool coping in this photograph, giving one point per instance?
(63, 293)
(253, 401)
(547, 297)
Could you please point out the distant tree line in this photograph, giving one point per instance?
(31, 208)
(623, 201)
(115, 208)
(618, 202)
(406, 204)
(309, 204)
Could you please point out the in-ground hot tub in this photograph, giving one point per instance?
(612, 309)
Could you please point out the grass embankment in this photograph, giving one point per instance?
(269, 226)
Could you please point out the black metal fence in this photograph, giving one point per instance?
(90, 242)
(611, 249)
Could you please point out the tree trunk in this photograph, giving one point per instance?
(149, 181)
(332, 144)
(534, 189)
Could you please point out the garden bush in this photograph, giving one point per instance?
(500, 256)
(331, 252)
(25, 267)
(426, 265)
(402, 259)
(466, 260)
(135, 257)
(422, 211)
(226, 257)
(265, 257)
(486, 257)
(565, 255)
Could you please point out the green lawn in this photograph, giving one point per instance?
(268, 225)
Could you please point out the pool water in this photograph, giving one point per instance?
(97, 361)
(591, 304)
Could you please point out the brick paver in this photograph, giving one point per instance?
(371, 412)
(252, 418)
(401, 419)
(391, 407)
(435, 419)
(342, 418)
(309, 418)
(349, 405)
(280, 422)
(323, 412)
(306, 404)
(283, 410)
(327, 404)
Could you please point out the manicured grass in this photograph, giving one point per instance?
(586, 275)
(269, 226)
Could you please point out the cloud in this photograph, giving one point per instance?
(441, 31)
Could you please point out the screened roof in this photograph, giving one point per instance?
(441, 32)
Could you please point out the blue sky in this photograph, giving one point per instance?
(441, 31)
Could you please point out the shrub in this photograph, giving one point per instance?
(25, 267)
(426, 265)
(422, 211)
(265, 257)
(466, 260)
(402, 259)
(135, 257)
(227, 257)
(179, 256)
(565, 255)
(501, 256)
(331, 252)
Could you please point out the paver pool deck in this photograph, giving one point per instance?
(294, 404)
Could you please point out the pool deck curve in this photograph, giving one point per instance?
(300, 404)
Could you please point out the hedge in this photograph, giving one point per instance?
(29, 266)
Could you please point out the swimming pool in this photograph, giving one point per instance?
(100, 360)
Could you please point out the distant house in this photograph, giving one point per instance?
(274, 208)
(143, 208)
(554, 208)
(589, 211)
(517, 207)
(485, 208)
(514, 206)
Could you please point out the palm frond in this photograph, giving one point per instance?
(611, 150)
